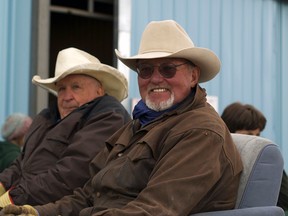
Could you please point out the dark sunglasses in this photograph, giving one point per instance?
(167, 70)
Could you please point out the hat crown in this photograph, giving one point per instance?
(164, 36)
(72, 57)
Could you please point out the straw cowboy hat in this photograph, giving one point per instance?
(75, 61)
(167, 39)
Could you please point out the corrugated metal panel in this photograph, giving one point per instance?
(282, 117)
(248, 36)
(15, 31)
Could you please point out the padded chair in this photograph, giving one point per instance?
(260, 180)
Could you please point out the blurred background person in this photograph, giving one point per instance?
(13, 131)
(246, 119)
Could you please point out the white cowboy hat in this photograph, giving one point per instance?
(75, 61)
(167, 39)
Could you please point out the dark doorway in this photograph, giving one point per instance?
(83, 24)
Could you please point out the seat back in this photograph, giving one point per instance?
(262, 171)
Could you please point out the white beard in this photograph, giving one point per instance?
(160, 106)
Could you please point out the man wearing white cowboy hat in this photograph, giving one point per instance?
(177, 156)
(63, 140)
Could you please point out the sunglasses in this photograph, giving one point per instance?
(167, 70)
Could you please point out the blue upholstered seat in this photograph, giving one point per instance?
(260, 181)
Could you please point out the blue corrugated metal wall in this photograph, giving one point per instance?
(15, 36)
(283, 94)
(249, 36)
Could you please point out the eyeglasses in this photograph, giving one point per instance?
(167, 70)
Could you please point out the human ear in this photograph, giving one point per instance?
(195, 76)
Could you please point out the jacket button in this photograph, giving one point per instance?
(98, 194)
(120, 154)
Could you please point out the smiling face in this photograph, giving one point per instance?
(160, 93)
(76, 90)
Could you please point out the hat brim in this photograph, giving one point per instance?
(205, 59)
(112, 81)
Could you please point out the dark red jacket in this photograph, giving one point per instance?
(57, 152)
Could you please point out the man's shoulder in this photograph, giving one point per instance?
(202, 118)
(106, 103)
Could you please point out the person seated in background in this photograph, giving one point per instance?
(63, 139)
(13, 131)
(176, 156)
(247, 119)
(244, 119)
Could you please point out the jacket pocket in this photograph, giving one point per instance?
(56, 146)
(129, 172)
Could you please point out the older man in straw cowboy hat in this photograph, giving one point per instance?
(62, 141)
(177, 156)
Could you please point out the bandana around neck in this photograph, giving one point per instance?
(146, 115)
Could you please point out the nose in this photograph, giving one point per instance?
(67, 94)
(156, 76)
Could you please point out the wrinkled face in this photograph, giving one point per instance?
(159, 92)
(255, 132)
(76, 90)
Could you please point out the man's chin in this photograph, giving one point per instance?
(159, 106)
